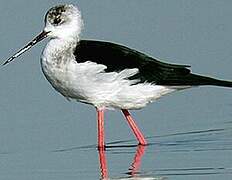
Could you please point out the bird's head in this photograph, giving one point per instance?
(62, 22)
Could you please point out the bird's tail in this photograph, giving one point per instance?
(198, 80)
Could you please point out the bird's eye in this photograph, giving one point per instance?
(56, 16)
(57, 21)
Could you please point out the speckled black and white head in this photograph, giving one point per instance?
(63, 21)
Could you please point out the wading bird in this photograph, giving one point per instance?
(104, 74)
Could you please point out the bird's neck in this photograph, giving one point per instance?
(57, 44)
(63, 42)
(59, 49)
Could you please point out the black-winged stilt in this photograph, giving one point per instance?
(104, 74)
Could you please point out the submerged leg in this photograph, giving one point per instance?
(134, 168)
(100, 128)
(103, 164)
(138, 134)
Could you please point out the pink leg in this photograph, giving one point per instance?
(100, 125)
(138, 134)
(103, 164)
(137, 160)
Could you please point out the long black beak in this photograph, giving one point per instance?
(37, 39)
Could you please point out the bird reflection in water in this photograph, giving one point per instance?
(135, 165)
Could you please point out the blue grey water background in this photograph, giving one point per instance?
(43, 136)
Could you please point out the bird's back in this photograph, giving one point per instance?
(117, 58)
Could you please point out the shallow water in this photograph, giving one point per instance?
(199, 154)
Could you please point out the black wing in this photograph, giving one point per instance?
(117, 57)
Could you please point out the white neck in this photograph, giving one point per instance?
(58, 50)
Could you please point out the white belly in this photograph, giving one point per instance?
(87, 82)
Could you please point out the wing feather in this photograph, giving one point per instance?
(117, 58)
